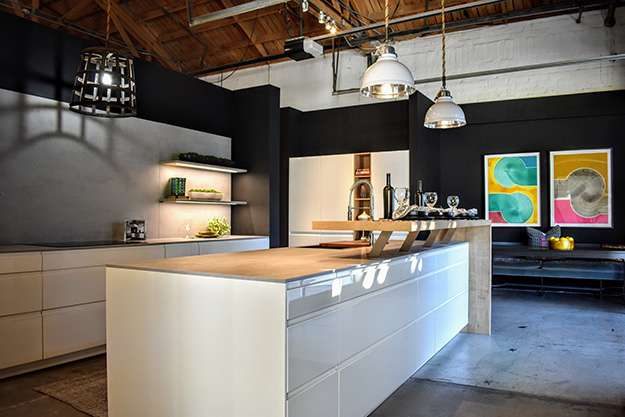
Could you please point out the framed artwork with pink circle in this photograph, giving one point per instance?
(581, 188)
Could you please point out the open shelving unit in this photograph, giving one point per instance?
(206, 167)
(185, 200)
(362, 195)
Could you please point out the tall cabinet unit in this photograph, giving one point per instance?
(319, 189)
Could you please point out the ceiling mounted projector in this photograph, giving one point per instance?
(302, 48)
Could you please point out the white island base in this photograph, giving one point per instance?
(334, 344)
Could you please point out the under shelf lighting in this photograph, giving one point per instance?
(205, 167)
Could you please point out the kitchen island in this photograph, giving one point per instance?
(295, 332)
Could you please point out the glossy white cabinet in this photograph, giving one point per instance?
(20, 339)
(391, 317)
(313, 348)
(71, 329)
(67, 287)
(320, 400)
(20, 293)
(318, 189)
(239, 245)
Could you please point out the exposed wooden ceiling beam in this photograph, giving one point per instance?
(34, 10)
(178, 34)
(75, 11)
(17, 8)
(122, 32)
(249, 33)
(140, 32)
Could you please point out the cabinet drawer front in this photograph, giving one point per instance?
(367, 382)
(20, 293)
(20, 338)
(312, 349)
(67, 287)
(20, 262)
(233, 245)
(372, 318)
(313, 295)
(320, 400)
(181, 249)
(72, 329)
(81, 258)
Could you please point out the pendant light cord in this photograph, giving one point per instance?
(444, 79)
(386, 20)
(108, 22)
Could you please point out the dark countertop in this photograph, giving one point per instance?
(157, 241)
(581, 251)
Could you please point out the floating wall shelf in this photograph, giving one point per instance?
(205, 167)
(184, 200)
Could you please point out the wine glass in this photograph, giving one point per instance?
(453, 201)
(430, 199)
(402, 194)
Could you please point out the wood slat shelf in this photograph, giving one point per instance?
(206, 167)
(185, 200)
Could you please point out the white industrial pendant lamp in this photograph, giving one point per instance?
(387, 77)
(104, 84)
(444, 113)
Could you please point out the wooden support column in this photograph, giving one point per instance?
(480, 277)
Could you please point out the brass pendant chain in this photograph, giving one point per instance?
(443, 43)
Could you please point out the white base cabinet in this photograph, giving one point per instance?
(20, 339)
(72, 329)
(53, 303)
(333, 345)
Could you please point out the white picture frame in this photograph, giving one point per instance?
(486, 159)
(552, 189)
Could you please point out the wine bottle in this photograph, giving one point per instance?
(418, 195)
(388, 198)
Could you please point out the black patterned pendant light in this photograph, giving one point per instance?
(104, 84)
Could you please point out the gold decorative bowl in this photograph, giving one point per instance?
(562, 243)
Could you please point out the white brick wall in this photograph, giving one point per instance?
(307, 85)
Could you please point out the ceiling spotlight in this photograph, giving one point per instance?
(322, 18)
(329, 24)
(333, 29)
(304, 6)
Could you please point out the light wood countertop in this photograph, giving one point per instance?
(397, 225)
(279, 265)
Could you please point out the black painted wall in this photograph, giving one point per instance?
(40, 61)
(256, 145)
(451, 161)
(581, 121)
(364, 128)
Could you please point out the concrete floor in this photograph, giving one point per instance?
(549, 356)
(562, 346)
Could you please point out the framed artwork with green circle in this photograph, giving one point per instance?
(512, 189)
